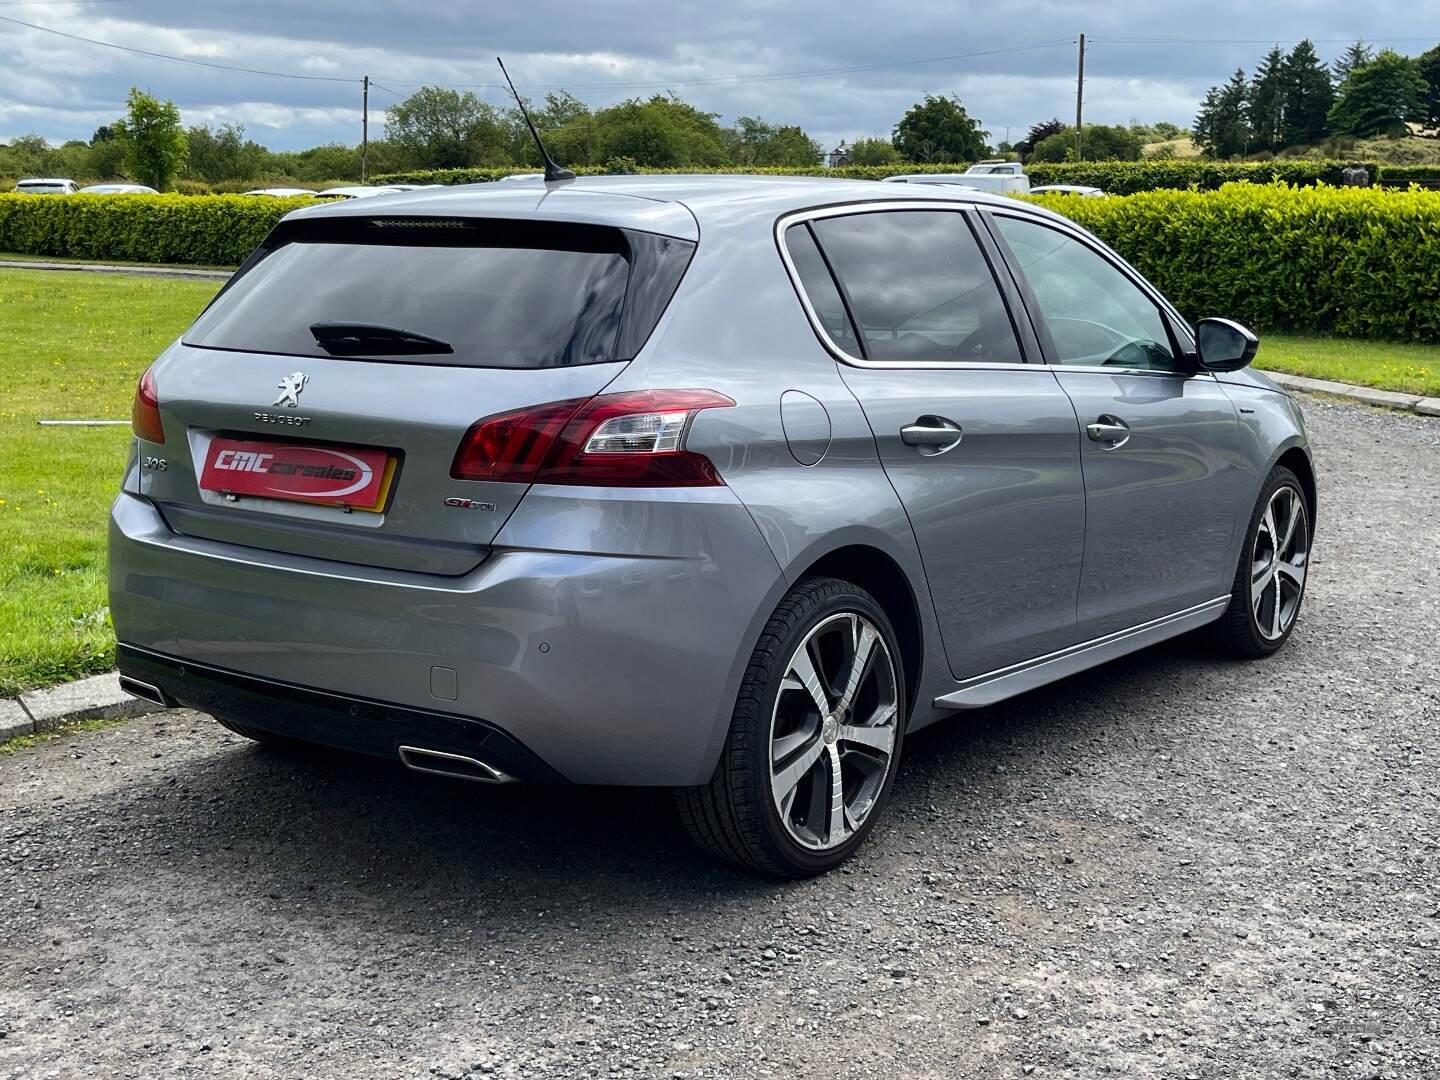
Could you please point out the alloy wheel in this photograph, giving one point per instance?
(1278, 563)
(833, 731)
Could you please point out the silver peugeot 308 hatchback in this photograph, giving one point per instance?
(718, 483)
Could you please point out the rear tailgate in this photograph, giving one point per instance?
(415, 414)
(316, 408)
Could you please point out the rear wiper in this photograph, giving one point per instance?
(356, 339)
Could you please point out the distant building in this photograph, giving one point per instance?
(840, 156)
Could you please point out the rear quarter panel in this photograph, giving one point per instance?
(737, 326)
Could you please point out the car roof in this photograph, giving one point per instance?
(680, 205)
(43, 180)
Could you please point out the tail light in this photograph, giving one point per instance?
(145, 411)
(626, 440)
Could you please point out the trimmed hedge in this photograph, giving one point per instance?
(1352, 261)
(218, 230)
(1115, 177)
(848, 172)
(1128, 177)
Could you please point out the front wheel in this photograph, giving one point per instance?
(814, 739)
(1270, 580)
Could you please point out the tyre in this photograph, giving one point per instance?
(1270, 580)
(814, 740)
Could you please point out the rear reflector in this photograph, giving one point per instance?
(145, 411)
(629, 440)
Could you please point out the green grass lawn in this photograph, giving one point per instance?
(71, 346)
(1412, 369)
(13, 256)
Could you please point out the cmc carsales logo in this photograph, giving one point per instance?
(245, 467)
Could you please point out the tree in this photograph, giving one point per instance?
(1354, 56)
(223, 153)
(1308, 97)
(663, 132)
(1102, 143)
(939, 129)
(1037, 134)
(1428, 64)
(107, 154)
(560, 109)
(873, 152)
(1222, 128)
(1266, 101)
(155, 145)
(566, 125)
(754, 142)
(447, 129)
(1377, 98)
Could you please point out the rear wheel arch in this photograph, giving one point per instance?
(880, 575)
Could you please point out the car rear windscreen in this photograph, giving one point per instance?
(497, 304)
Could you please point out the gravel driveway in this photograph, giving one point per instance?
(1172, 866)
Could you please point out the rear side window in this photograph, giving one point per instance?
(504, 297)
(820, 288)
(919, 287)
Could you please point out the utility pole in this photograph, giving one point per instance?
(1080, 103)
(364, 128)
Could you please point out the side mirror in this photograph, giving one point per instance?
(1223, 345)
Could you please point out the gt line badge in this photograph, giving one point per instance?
(290, 387)
(468, 504)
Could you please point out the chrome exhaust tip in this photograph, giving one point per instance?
(143, 690)
(458, 766)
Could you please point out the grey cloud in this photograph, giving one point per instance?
(58, 87)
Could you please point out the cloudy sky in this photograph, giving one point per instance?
(840, 70)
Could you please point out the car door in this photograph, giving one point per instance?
(1160, 452)
(981, 445)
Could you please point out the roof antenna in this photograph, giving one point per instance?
(552, 171)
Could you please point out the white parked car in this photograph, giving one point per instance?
(117, 189)
(355, 191)
(46, 186)
(1068, 189)
(279, 192)
(997, 177)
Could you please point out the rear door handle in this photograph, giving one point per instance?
(1110, 430)
(932, 434)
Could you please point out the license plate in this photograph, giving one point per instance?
(331, 476)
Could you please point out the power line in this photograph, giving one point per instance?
(750, 78)
(177, 59)
(1244, 41)
(663, 84)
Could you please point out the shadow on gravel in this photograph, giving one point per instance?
(328, 836)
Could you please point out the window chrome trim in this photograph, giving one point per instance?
(880, 206)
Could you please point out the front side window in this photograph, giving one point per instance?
(919, 287)
(1096, 315)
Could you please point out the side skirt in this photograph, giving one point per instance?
(1006, 682)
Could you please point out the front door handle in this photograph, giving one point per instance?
(932, 434)
(1110, 430)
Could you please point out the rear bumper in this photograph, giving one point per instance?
(618, 665)
(350, 723)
